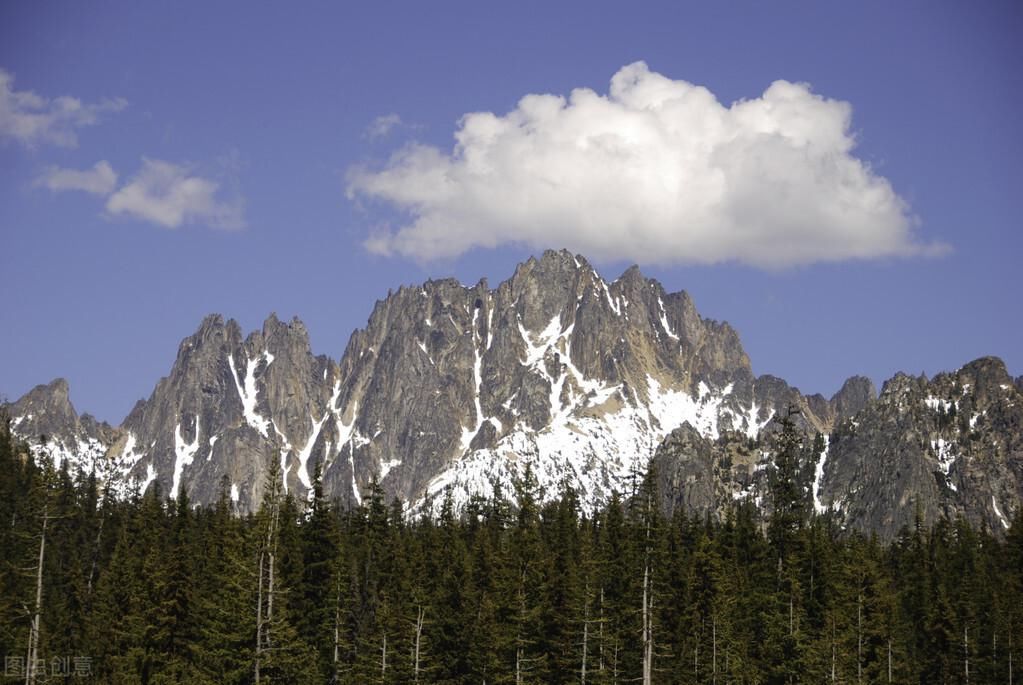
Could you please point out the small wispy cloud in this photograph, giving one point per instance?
(32, 120)
(382, 125)
(161, 192)
(655, 171)
(101, 179)
(171, 195)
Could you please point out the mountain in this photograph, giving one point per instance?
(453, 389)
(46, 419)
(947, 447)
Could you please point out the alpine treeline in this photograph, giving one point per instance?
(518, 588)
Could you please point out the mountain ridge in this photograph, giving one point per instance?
(449, 387)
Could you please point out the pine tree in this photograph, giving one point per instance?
(280, 654)
(320, 547)
(225, 596)
(788, 498)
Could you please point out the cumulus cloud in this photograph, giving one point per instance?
(31, 119)
(171, 195)
(101, 179)
(656, 171)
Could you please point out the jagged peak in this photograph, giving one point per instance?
(56, 392)
(57, 385)
(859, 385)
(632, 276)
(986, 369)
(900, 383)
(855, 394)
(52, 399)
(212, 320)
(562, 256)
(556, 261)
(274, 327)
(211, 328)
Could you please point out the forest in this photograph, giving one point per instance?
(522, 587)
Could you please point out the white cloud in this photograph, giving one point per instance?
(31, 119)
(382, 125)
(101, 179)
(169, 195)
(656, 171)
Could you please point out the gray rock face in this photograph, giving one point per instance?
(856, 393)
(941, 448)
(946, 447)
(450, 388)
(704, 476)
(228, 407)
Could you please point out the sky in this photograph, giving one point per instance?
(841, 182)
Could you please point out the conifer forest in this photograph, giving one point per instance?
(517, 588)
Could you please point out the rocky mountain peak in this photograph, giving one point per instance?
(46, 419)
(51, 403)
(856, 393)
(985, 378)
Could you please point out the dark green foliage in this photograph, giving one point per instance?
(524, 590)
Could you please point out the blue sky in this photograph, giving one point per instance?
(246, 165)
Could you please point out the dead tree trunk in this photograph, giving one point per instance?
(33, 635)
(966, 653)
(648, 648)
(267, 564)
(420, 617)
(586, 633)
(337, 630)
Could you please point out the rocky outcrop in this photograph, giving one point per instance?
(856, 393)
(940, 448)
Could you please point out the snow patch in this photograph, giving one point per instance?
(535, 351)
(946, 457)
(184, 455)
(303, 454)
(490, 326)
(596, 453)
(385, 468)
(998, 513)
(664, 321)
(753, 425)
(128, 453)
(615, 306)
(248, 391)
(937, 404)
(671, 408)
(150, 477)
(423, 348)
(818, 478)
(348, 433)
(467, 433)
